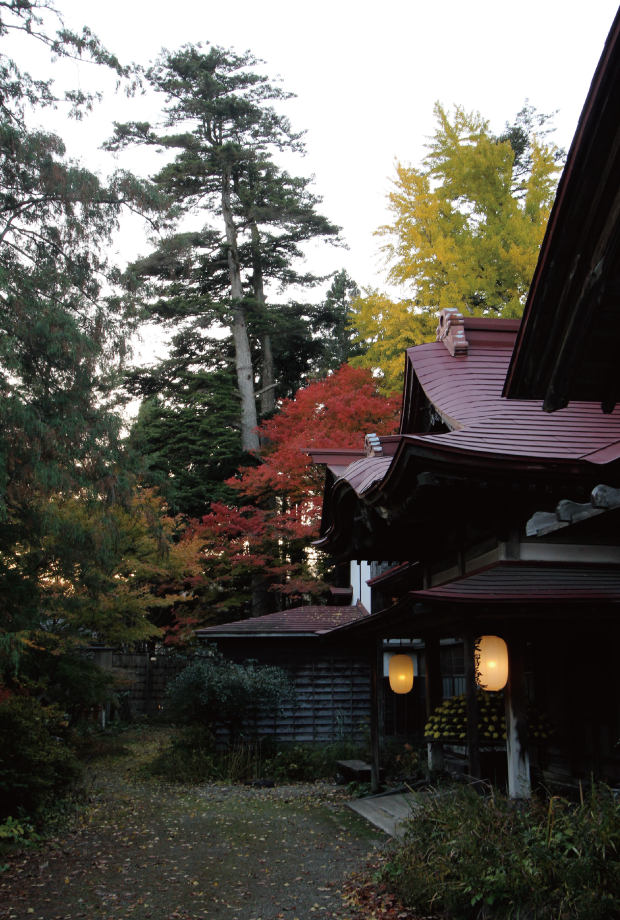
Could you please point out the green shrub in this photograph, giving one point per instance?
(36, 765)
(216, 692)
(486, 857)
(307, 762)
(77, 683)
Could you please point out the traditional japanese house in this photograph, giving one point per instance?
(503, 485)
(331, 678)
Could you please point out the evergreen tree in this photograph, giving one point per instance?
(223, 166)
(187, 427)
(62, 462)
(187, 430)
(332, 324)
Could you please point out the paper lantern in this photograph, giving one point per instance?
(401, 673)
(492, 663)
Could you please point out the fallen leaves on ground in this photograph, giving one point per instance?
(366, 897)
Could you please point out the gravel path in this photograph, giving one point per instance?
(203, 851)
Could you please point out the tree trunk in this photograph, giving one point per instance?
(268, 394)
(243, 357)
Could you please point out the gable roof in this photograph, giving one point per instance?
(298, 621)
(481, 436)
(460, 389)
(548, 590)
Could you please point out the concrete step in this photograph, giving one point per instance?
(387, 812)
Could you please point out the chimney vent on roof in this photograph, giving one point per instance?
(372, 446)
(451, 331)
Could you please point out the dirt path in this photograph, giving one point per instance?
(207, 851)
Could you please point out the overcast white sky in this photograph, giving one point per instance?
(366, 78)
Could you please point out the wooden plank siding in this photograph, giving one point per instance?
(147, 695)
(332, 683)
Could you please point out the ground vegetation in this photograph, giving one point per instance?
(483, 856)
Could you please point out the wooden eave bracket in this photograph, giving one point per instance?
(451, 331)
(603, 498)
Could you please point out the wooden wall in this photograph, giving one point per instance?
(147, 680)
(332, 682)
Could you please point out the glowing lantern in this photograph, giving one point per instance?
(401, 673)
(492, 663)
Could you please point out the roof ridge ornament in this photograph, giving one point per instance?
(372, 446)
(451, 331)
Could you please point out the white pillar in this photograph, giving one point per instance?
(516, 722)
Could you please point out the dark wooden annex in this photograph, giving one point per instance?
(509, 515)
(332, 679)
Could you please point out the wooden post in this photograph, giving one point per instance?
(471, 694)
(147, 683)
(434, 696)
(516, 721)
(375, 784)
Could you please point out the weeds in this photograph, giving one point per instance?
(487, 857)
(193, 757)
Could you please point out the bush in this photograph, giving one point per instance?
(192, 757)
(217, 692)
(77, 684)
(36, 766)
(486, 857)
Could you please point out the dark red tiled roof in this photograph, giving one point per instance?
(389, 574)
(518, 582)
(463, 390)
(503, 584)
(297, 621)
(466, 391)
(363, 474)
(467, 394)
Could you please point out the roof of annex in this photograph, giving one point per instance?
(297, 621)
(532, 582)
(544, 589)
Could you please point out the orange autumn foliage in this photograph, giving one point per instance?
(265, 540)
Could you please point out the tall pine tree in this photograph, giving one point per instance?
(258, 216)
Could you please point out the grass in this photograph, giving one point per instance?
(190, 756)
(484, 856)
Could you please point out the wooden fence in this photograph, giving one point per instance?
(332, 684)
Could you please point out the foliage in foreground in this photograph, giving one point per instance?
(36, 766)
(485, 857)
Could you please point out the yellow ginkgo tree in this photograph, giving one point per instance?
(465, 231)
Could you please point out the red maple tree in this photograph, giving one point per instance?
(260, 549)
